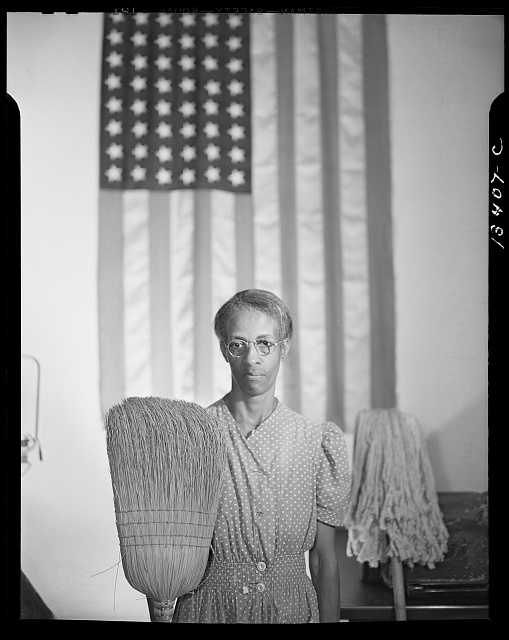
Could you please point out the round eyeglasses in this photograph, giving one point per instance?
(237, 348)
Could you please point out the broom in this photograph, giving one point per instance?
(167, 459)
(393, 513)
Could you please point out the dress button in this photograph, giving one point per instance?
(261, 566)
(259, 513)
(260, 587)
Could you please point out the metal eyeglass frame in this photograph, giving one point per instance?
(273, 345)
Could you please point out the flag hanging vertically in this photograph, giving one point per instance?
(246, 151)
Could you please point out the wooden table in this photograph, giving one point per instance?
(363, 601)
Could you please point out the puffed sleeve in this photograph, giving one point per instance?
(333, 477)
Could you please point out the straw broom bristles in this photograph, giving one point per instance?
(393, 509)
(167, 458)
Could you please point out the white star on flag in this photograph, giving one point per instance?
(113, 82)
(164, 154)
(187, 85)
(163, 41)
(234, 21)
(114, 127)
(115, 151)
(188, 109)
(138, 173)
(212, 151)
(140, 129)
(187, 62)
(213, 87)
(187, 41)
(139, 39)
(138, 83)
(114, 105)
(211, 107)
(164, 20)
(235, 109)
(141, 18)
(233, 43)
(210, 63)
(163, 85)
(210, 19)
(139, 62)
(188, 153)
(234, 65)
(188, 129)
(188, 20)
(140, 151)
(163, 108)
(210, 40)
(213, 174)
(236, 177)
(237, 155)
(163, 176)
(115, 37)
(235, 87)
(163, 63)
(114, 173)
(236, 132)
(163, 130)
(211, 129)
(188, 176)
(115, 59)
(138, 107)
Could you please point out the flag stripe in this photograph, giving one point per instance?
(331, 205)
(310, 250)
(110, 292)
(378, 162)
(264, 161)
(202, 269)
(224, 276)
(244, 232)
(182, 292)
(160, 301)
(137, 340)
(265, 197)
(356, 320)
(286, 160)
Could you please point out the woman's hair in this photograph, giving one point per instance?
(257, 300)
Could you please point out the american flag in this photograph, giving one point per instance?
(246, 150)
(175, 102)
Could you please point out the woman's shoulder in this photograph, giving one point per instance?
(325, 428)
(217, 407)
(321, 431)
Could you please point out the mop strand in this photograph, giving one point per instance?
(167, 459)
(393, 510)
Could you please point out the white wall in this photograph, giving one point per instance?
(68, 524)
(445, 72)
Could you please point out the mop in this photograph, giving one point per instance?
(167, 459)
(393, 514)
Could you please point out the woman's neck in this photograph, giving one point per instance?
(248, 413)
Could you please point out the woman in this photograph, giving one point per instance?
(288, 486)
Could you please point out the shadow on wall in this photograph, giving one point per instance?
(33, 606)
(458, 449)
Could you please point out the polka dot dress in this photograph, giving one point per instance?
(287, 474)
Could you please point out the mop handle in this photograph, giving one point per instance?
(398, 588)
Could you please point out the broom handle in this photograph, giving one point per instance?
(161, 611)
(398, 588)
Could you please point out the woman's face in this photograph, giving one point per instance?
(253, 374)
